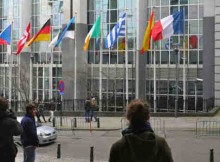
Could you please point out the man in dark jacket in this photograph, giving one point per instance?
(139, 143)
(9, 127)
(87, 109)
(29, 137)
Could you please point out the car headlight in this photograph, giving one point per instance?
(42, 134)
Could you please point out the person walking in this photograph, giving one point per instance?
(139, 143)
(93, 109)
(87, 108)
(29, 137)
(9, 127)
(52, 109)
(40, 112)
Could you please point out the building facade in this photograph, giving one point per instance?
(177, 74)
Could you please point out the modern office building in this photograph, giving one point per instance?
(177, 74)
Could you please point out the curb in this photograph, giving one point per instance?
(87, 129)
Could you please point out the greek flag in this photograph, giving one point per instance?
(118, 30)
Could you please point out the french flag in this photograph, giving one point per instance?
(166, 27)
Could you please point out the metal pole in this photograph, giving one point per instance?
(176, 50)
(195, 96)
(100, 65)
(58, 151)
(184, 65)
(92, 154)
(155, 84)
(126, 59)
(211, 155)
(71, 9)
(75, 66)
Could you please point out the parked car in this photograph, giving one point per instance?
(46, 134)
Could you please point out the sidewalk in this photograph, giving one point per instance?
(114, 123)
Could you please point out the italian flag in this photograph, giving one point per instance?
(93, 33)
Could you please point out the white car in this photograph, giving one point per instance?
(46, 134)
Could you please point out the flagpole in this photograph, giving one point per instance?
(10, 67)
(100, 64)
(126, 58)
(155, 83)
(75, 57)
(184, 65)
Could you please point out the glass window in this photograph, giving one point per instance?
(46, 83)
(165, 11)
(46, 72)
(201, 13)
(200, 40)
(40, 71)
(164, 57)
(183, 1)
(193, 1)
(174, 2)
(193, 27)
(193, 12)
(164, 2)
(193, 56)
(200, 57)
(40, 83)
(121, 4)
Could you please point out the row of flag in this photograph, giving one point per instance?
(42, 35)
(164, 28)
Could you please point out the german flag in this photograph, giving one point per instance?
(42, 35)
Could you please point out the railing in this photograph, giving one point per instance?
(72, 123)
(208, 128)
(157, 124)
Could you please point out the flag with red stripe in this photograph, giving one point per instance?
(42, 35)
(24, 39)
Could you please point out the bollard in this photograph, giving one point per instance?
(75, 123)
(91, 154)
(54, 125)
(58, 151)
(211, 155)
(98, 123)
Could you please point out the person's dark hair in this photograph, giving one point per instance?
(3, 104)
(30, 107)
(138, 111)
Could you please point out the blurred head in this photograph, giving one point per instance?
(3, 104)
(31, 109)
(138, 112)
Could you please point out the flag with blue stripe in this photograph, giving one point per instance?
(62, 34)
(118, 30)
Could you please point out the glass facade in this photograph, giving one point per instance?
(117, 76)
(47, 63)
(168, 78)
(113, 61)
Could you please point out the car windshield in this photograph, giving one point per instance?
(38, 124)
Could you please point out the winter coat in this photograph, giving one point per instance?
(87, 105)
(9, 127)
(140, 146)
(29, 135)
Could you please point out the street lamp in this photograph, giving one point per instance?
(176, 51)
(196, 95)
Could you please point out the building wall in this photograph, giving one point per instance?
(75, 60)
(217, 52)
(25, 15)
(141, 59)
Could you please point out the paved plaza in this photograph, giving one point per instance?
(180, 135)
